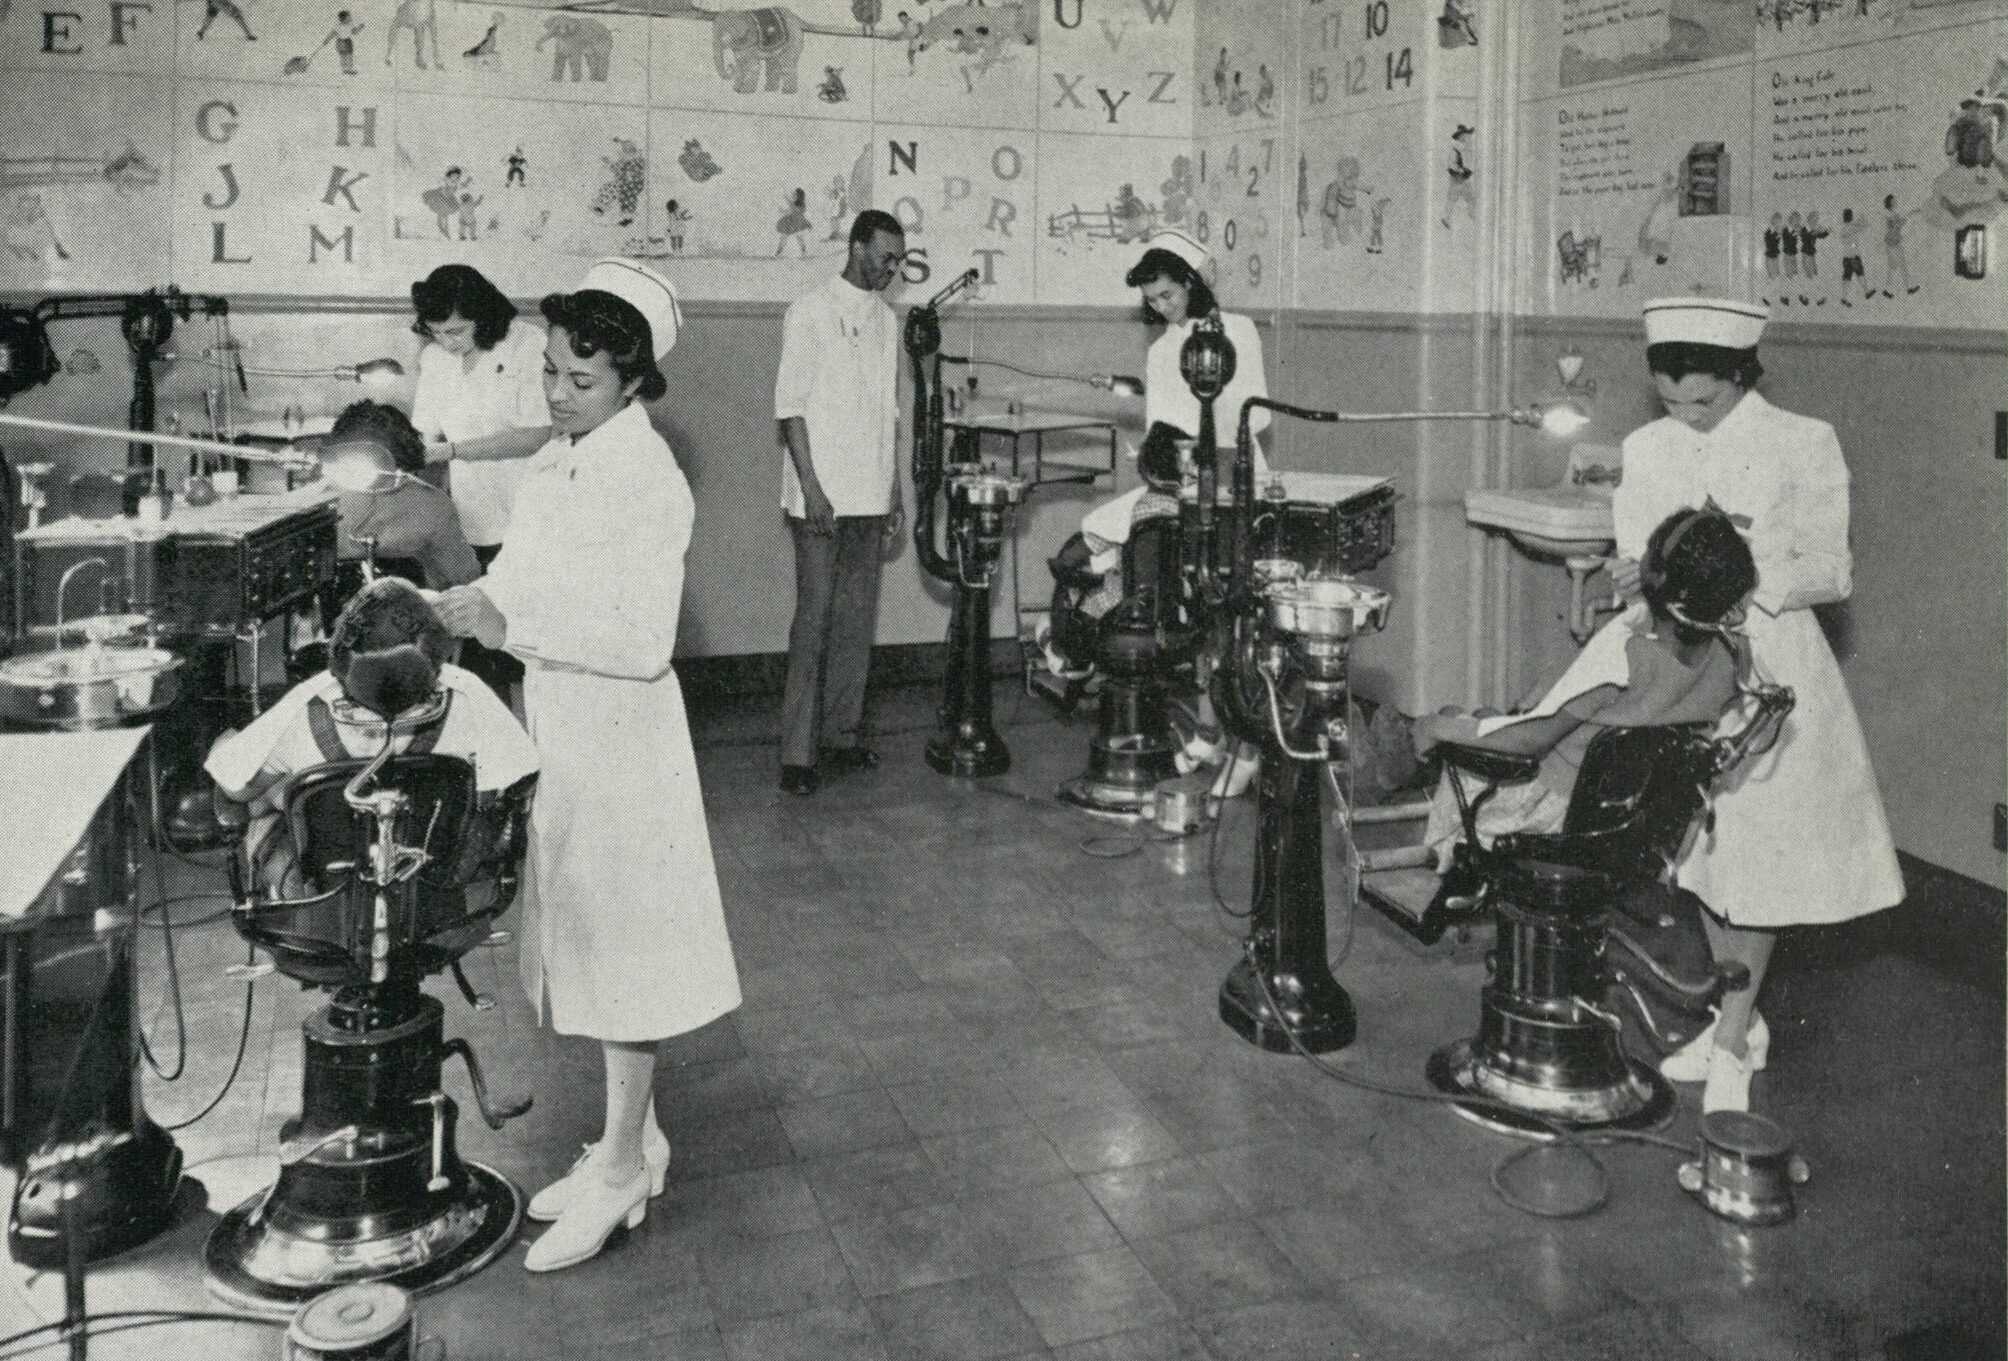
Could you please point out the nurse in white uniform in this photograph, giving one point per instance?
(1802, 838)
(1171, 280)
(480, 398)
(479, 406)
(624, 933)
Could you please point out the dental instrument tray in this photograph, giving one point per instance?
(1326, 523)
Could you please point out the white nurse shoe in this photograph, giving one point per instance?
(597, 1207)
(548, 1204)
(1690, 1062)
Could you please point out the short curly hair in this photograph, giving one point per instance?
(381, 424)
(387, 647)
(596, 322)
(467, 291)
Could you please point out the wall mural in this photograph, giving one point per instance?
(348, 148)
(1871, 185)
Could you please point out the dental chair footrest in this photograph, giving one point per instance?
(1416, 901)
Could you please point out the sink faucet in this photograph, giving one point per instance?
(63, 587)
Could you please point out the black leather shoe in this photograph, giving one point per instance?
(799, 780)
(845, 760)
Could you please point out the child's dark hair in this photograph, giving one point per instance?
(1159, 263)
(1158, 460)
(466, 290)
(599, 322)
(387, 647)
(1697, 561)
(381, 424)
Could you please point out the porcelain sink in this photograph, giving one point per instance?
(1549, 522)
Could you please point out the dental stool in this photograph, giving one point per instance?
(1587, 930)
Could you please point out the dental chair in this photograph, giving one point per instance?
(402, 868)
(1144, 650)
(1588, 928)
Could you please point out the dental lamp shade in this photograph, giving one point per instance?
(361, 468)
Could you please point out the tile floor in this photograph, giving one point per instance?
(978, 1104)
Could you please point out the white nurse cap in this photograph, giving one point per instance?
(1181, 245)
(1721, 322)
(644, 290)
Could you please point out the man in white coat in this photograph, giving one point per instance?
(836, 404)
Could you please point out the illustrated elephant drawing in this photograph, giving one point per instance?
(583, 45)
(757, 48)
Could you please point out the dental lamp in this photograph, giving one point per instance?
(979, 504)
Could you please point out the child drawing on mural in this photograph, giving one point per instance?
(1237, 98)
(1265, 92)
(1454, 27)
(1774, 236)
(1340, 207)
(422, 18)
(1789, 246)
(343, 36)
(621, 191)
(1893, 261)
(794, 224)
(226, 9)
(674, 216)
(467, 201)
(1219, 80)
(1809, 250)
(1463, 175)
(1849, 233)
(444, 200)
(1131, 217)
(838, 196)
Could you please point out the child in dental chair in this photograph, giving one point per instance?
(1674, 658)
(387, 653)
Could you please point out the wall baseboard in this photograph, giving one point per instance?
(762, 674)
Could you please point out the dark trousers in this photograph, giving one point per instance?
(497, 668)
(830, 640)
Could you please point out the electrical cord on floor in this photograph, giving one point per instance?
(127, 1320)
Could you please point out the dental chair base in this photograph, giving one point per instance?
(379, 1192)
